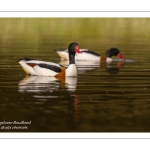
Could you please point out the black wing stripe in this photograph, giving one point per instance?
(91, 52)
(51, 67)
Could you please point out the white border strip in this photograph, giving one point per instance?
(66, 5)
(74, 14)
(75, 135)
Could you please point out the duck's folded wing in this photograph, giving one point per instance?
(37, 67)
(89, 52)
(46, 69)
(42, 62)
(50, 67)
(86, 54)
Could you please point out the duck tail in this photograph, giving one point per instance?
(26, 59)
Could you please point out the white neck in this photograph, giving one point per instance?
(108, 60)
(71, 70)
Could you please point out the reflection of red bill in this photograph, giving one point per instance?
(120, 64)
(120, 56)
(76, 99)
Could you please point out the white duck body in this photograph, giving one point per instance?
(88, 55)
(28, 67)
(85, 55)
(43, 68)
(71, 70)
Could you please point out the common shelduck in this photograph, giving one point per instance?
(89, 55)
(42, 68)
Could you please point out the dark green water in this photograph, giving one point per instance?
(103, 98)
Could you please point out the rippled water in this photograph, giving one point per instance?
(103, 98)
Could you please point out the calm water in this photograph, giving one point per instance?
(103, 98)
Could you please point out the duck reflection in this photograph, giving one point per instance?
(82, 66)
(35, 84)
(115, 66)
(73, 106)
(50, 87)
(112, 67)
